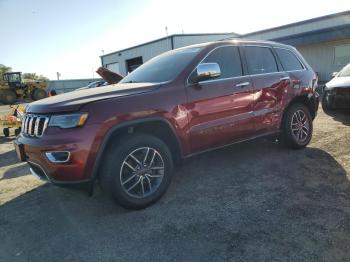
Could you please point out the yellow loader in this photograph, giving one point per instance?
(12, 88)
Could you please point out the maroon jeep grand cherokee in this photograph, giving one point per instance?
(183, 102)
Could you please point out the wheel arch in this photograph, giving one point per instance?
(306, 100)
(156, 126)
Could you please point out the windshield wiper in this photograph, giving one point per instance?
(131, 81)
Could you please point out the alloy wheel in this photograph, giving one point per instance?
(142, 172)
(300, 126)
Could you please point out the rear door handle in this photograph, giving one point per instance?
(285, 78)
(243, 84)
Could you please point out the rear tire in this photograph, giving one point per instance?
(6, 132)
(137, 170)
(38, 94)
(8, 97)
(297, 127)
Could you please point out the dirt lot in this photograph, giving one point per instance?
(251, 202)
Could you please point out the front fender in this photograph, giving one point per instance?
(131, 124)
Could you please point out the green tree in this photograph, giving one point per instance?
(34, 76)
(4, 69)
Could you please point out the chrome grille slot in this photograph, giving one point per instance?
(34, 125)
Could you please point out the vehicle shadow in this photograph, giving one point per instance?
(4, 139)
(256, 201)
(340, 115)
(16, 171)
(8, 158)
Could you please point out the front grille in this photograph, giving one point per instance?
(34, 125)
(343, 90)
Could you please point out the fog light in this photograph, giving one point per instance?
(58, 156)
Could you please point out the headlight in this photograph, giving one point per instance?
(69, 120)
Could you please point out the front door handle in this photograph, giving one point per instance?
(285, 78)
(243, 84)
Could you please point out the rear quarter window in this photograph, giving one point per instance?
(288, 60)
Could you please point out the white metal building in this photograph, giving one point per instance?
(323, 41)
(126, 60)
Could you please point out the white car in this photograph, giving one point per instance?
(94, 84)
(337, 91)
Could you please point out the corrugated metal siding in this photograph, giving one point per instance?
(315, 37)
(180, 41)
(62, 86)
(301, 28)
(147, 52)
(321, 57)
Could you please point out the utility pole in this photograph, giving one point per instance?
(166, 30)
(58, 75)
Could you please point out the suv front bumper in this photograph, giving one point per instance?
(78, 142)
(340, 97)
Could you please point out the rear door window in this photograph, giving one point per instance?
(228, 58)
(288, 60)
(260, 60)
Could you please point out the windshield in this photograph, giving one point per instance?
(164, 67)
(13, 77)
(345, 71)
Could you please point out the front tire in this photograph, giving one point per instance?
(8, 96)
(326, 102)
(17, 131)
(137, 170)
(297, 126)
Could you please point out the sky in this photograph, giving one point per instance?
(68, 36)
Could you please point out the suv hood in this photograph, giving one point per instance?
(338, 82)
(73, 101)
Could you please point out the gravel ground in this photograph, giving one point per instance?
(255, 201)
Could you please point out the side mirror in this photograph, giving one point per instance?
(205, 72)
(334, 74)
